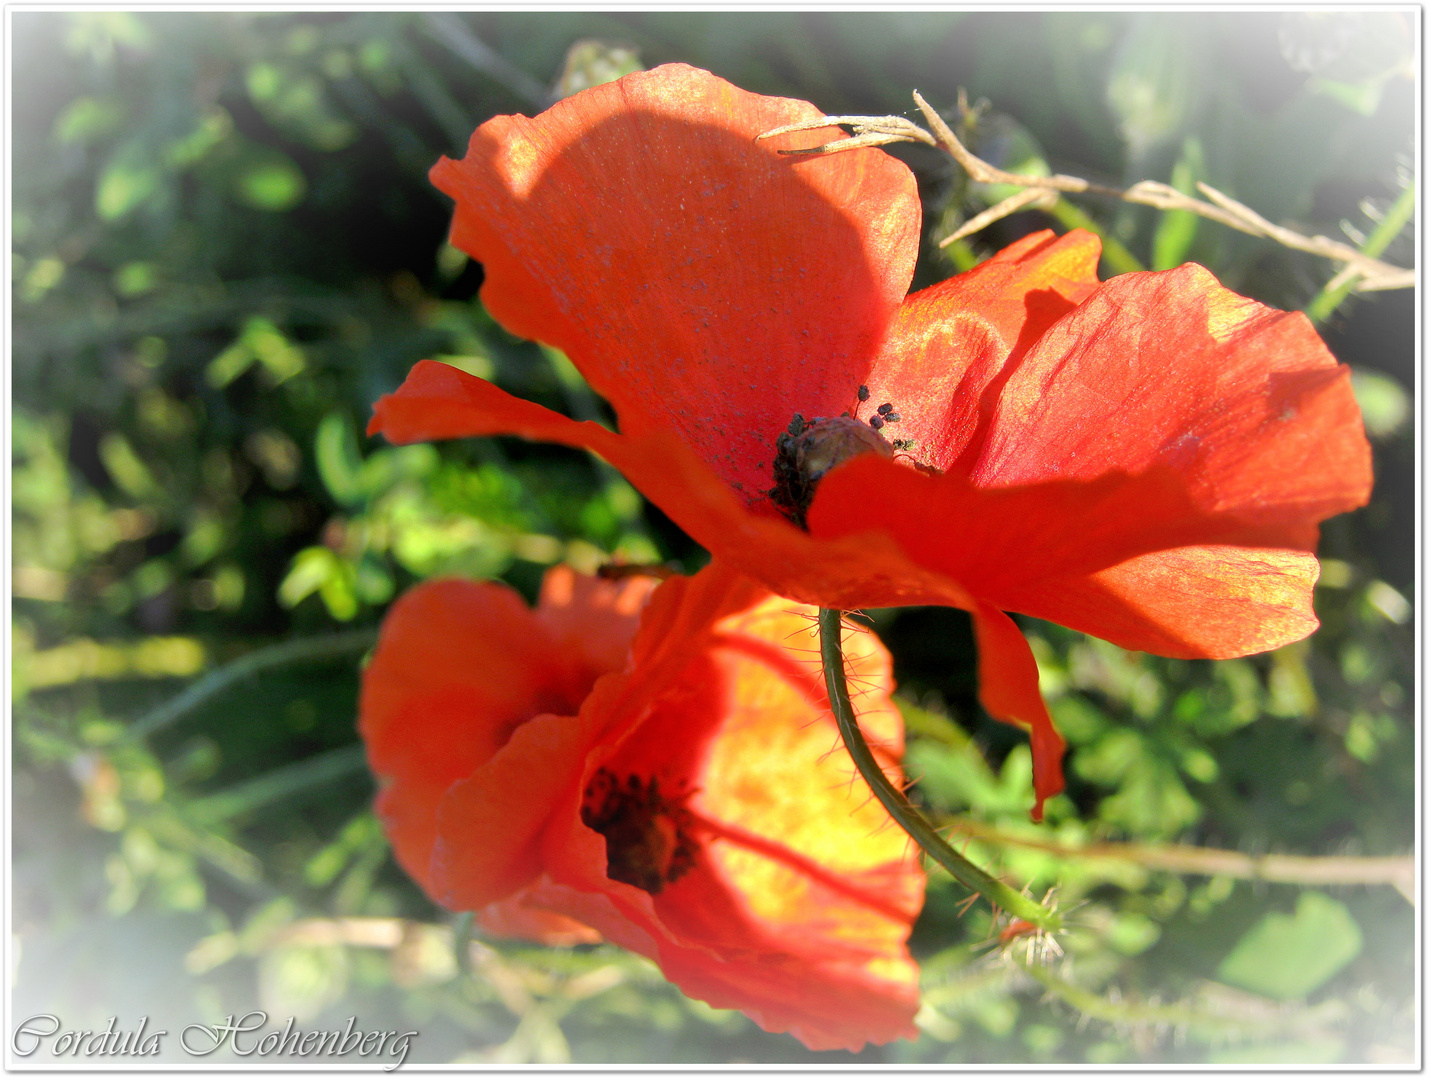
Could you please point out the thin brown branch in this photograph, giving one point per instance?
(868, 131)
(1367, 273)
(369, 932)
(1041, 198)
(979, 169)
(1374, 272)
(1395, 870)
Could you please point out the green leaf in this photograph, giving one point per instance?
(129, 180)
(311, 569)
(335, 450)
(1348, 47)
(592, 63)
(1385, 406)
(1307, 1052)
(1006, 144)
(1289, 956)
(135, 278)
(1151, 800)
(260, 340)
(213, 128)
(86, 118)
(301, 981)
(271, 182)
(1363, 98)
(129, 473)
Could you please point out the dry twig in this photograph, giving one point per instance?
(1398, 871)
(1363, 271)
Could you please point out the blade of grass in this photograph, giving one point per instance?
(1326, 302)
(217, 681)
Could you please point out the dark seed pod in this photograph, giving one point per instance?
(876, 422)
(801, 461)
(864, 393)
(886, 408)
(892, 418)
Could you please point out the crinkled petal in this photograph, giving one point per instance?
(517, 917)
(1244, 405)
(803, 892)
(1008, 688)
(443, 693)
(1244, 402)
(590, 621)
(1206, 602)
(1146, 439)
(952, 345)
(489, 824)
(1080, 553)
(701, 282)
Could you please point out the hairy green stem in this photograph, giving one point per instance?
(894, 800)
(1328, 300)
(215, 682)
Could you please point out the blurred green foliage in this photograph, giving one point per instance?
(225, 249)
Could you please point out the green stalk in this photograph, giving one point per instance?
(1327, 301)
(280, 783)
(899, 807)
(328, 647)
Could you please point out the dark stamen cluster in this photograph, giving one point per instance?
(885, 414)
(807, 449)
(649, 840)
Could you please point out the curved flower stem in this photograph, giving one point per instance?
(894, 800)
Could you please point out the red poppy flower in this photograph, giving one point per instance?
(1145, 460)
(678, 789)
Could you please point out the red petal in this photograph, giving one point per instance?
(1008, 688)
(591, 622)
(1243, 401)
(803, 893)
(1149, 435)
(489, 824)
(518, 918)
(1247, 408)
(462, 665)
(438, 401)
(443, 693)
(1207, 602)
(700, 281)
(951, 345)
(1075, 552)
